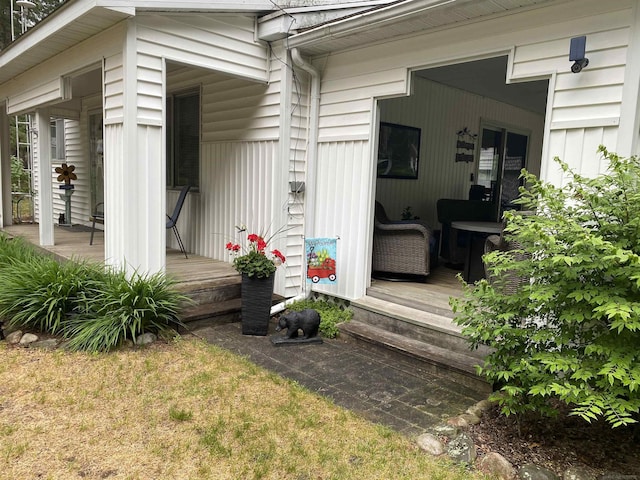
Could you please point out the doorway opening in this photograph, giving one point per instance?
(506, 127)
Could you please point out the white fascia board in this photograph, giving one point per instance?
(283, 23)
(191, 5)
(369, 20)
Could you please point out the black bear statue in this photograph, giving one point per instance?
(307, 321)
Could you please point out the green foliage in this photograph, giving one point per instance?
(39, 293)
(407, 214)
(19, 176)
(14, 250)
(121, 308)
(95, 309)
(572, 332)
(254, 264)
(331, 314)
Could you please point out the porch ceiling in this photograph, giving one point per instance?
(78, 20)
(401, 19)
(71, 24)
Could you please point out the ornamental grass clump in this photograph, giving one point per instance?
(94, 308)
(122, 309)
(40, 293)
(571, 332)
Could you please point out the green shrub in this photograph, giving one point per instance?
(330, 314)
(39, 293)
(571, 333)
(121, 309)
(94, 308)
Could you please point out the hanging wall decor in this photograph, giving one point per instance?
(465, 145)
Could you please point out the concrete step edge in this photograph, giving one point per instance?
(460, 365)
(408, 315)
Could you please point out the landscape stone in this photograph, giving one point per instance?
(458, 421)
(471, 419)
(462, 449)
(430, 444)
(28, 338)
(48, 344)
(534, 472)
(496, 466)
(14, 337)
(446, 430)
(146, 339)
(479, 408)
(618, 476)
(576, 473)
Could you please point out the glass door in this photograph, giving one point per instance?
(503, 154)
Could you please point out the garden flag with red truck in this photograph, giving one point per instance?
(321, 260)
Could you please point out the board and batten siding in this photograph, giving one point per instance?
(354, 79)
(74, 155)
(240, 148)
(440, 111)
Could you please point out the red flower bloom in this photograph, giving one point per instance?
(233, 247)
(278, 254)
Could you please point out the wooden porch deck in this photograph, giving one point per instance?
(73, 242)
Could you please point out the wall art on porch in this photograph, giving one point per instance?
(398, 151)
(321, 259)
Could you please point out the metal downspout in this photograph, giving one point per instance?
(312, 154)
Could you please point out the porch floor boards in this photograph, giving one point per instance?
(73, 242)
(432, 295)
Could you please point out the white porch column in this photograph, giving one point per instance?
(628, 133)
(6, 214)
(135, 168)
(45, 188)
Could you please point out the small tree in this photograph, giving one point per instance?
(19, 176)
(571, 333)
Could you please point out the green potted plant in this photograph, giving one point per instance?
(257, 265)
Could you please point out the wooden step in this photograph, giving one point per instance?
(457, 366)
(424, 336)
(428, 327)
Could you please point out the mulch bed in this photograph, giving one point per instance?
(559, 443)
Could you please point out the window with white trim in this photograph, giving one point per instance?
(183, 139)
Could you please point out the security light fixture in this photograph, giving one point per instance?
(577, 52)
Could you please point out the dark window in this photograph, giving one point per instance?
(183, 139)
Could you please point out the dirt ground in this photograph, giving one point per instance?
(559, 443)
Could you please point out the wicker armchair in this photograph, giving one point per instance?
(509, 282)
(402, 247)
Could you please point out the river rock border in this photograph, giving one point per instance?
(453, 440)
(31, 340)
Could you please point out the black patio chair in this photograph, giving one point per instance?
(96, 217)
(173, 219)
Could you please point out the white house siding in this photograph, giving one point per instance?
(224, 43)
(441, 111)
(294, 110)
(353, 78)
(74, 155)
(239, 180)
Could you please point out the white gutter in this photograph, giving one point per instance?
(312, 162)
(369, 20)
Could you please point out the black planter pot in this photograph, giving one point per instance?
(256, 296)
